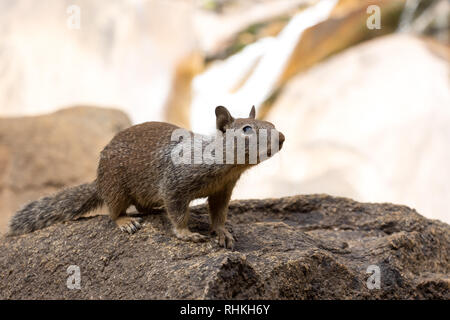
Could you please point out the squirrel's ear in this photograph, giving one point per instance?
(223, 117)
(252, 114)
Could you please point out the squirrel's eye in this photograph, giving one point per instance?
(247, 129)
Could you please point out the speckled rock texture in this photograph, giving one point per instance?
(302, 247)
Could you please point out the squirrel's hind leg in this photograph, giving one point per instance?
(117, 212)
(129, 224)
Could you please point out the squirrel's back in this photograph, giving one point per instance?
(148, 137)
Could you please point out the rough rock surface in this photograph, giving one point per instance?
(302, 247)
(39, 155)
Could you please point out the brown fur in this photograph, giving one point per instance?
(136, 168)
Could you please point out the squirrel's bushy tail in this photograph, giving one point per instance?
(65, 205)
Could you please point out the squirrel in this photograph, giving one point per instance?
(137, 168)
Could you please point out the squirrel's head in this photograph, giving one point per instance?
(261, 138)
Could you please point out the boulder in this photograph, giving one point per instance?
(346, 26)
(301, 247)
(42, 154)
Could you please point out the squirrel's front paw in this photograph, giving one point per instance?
(225, 238)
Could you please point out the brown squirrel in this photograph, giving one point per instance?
(137, 168)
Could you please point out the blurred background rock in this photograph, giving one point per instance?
(365, 111)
